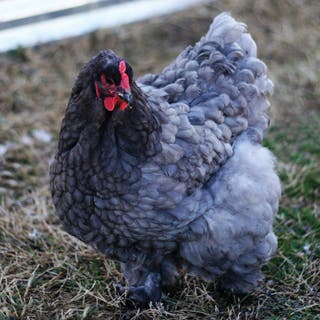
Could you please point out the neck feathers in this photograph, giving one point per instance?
(89, 128)
(138, 131)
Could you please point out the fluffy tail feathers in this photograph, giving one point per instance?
(239, 239)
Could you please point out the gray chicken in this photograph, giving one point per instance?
(168, 173)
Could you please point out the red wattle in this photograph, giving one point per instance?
(110, 103)
(123, 105)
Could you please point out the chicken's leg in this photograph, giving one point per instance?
(142, 295)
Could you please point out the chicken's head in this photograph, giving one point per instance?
(112, 81)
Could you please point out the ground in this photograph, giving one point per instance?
(47, 274)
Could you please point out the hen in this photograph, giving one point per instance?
(168, 173)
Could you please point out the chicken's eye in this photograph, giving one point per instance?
(106, 80)
(109, 81)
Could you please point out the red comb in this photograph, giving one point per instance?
(124, 77)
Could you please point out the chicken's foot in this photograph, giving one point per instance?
(144, 294)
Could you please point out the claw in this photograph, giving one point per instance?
(141, 296)
(152, 287)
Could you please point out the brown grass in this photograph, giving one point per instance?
(47, 274)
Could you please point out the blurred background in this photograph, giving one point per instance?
(26, 23)
(46, 274)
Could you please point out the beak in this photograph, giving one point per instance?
(125, 96)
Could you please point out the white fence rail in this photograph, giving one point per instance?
(29, 22)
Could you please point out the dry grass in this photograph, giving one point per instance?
(47, 274)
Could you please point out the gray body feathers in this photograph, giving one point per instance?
(200, 192)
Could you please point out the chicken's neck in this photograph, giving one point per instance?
(134, 131)
(137, 130)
